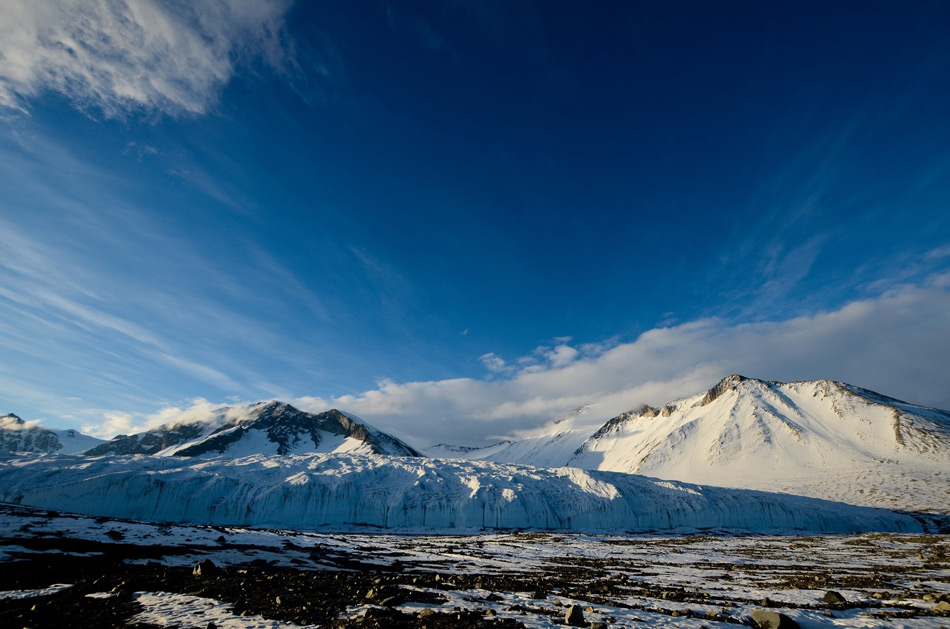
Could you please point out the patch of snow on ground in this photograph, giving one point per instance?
(176, 610)
(56, 588)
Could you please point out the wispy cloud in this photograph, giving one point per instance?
(120, 55)
(105, 300)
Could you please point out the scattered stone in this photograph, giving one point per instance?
(766, 619)
(943, 607)
(574, 616)
(494, 598)
(211, 625)
(833, 597)
(425, 613)
(598, 625)
(204, 568)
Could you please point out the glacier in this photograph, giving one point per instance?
(321, 491)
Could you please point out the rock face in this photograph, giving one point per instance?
(266, 428)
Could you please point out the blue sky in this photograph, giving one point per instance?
(460, 220)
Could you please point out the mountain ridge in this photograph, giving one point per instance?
(266, 427)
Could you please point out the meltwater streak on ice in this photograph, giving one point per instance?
(345, 491)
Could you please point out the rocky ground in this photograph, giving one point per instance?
(74, 571)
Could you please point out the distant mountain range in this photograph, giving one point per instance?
(817, 438)
(17, 435)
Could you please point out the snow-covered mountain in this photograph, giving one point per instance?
(347, 491)
(818, 438)
(18, 436)
(264, 428)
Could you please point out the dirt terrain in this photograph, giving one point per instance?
(145, 575)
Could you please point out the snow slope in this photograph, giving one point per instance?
(345, 491)
(18, 436)
(820, 438)
(263, 428)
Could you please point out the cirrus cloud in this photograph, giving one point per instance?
(120, 55)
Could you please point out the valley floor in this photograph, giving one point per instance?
(60, 570)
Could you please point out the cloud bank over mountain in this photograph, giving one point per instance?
(895, 343)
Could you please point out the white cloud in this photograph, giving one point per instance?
(114, 423)
(121, 55)
(493, 362)
(895, 343)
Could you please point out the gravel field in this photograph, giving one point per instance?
(61, 570)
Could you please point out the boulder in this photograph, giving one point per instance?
(204, 568)
(766, 619)
(833, 598)
(574, 617)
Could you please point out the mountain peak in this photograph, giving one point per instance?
(10, 418)
(729, 383)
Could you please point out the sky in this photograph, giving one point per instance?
(461, 220)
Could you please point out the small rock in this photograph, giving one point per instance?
(766, 619)
(204, 568)
(598, 625)
(943, 607)
(833, 597)
(494, 598)
(211, 625)
(425, 613)
(574, 616)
